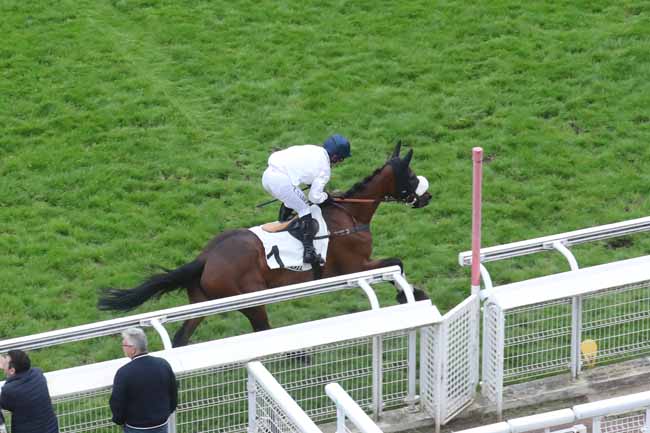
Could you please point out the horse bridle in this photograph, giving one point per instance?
(406, 190)
(405, 185)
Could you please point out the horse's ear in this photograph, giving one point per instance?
(407, 158)
(398, 147)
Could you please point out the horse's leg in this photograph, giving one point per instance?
(418, 294)
(254, 281)
(258, 318)
(182, 336)
(260, 322)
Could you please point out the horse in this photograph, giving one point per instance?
(234, 262)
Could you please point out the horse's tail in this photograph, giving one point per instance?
(156, 286)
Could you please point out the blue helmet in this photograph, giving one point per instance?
(337, 145)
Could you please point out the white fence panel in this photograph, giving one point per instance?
(213, 400)
(85, 412)
(618, 321)
(449, 362)
(635, 422)
(492, 361)
(565, 322)
(271, 409)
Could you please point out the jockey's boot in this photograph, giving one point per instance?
(309, 252)
(285, 213)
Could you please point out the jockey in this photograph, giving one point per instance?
(310, 165)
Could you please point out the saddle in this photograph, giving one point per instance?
(292, 226)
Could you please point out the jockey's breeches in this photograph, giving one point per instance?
(279, 186)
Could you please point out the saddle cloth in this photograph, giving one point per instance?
(284, 251)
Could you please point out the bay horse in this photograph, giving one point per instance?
(234, 262)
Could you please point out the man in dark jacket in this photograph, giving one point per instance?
(144, 390)
(26, 396)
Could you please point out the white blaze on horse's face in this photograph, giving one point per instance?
(423, 186)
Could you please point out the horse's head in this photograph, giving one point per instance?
(408, 187)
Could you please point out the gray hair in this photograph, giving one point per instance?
(137, 337)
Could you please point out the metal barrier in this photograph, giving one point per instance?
(303, 358)
(155, 319)
(627, 414)
(565, 321)
(346, 408)
(270, 408)
(449, 362)
(559, 242)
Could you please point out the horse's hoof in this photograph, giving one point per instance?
(418, 295)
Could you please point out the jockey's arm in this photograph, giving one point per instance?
(317, 194)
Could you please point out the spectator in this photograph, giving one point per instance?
(26, 396)
(144, 390)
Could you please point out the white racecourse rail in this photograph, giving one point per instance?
(346, 408)
(361, 280)
(271, 408)
(375, 360)
(627, 414)
(213, 376)
(562, 322)
(560, 242)
(531, 328)
(538, 327)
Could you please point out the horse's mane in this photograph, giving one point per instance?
(359, 185)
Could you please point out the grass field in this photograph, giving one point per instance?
(131, 132)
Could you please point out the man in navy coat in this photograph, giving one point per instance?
(26, 396)
(144, 392)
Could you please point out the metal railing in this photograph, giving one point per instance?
(627, 414)
(271, 408)
(155, 319)
(303, 358)
(449, 356)
(564, 323)
(559, 242)
(346, 408)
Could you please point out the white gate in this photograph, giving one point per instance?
(449, 362)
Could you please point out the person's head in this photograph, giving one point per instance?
(134, 342)
(338, 148)
(16, 361)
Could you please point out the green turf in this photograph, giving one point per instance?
(131, 132)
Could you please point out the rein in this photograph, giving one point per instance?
(345, 232)
(356, 228)
(338, 201)
(354, 200)
(364, 200)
